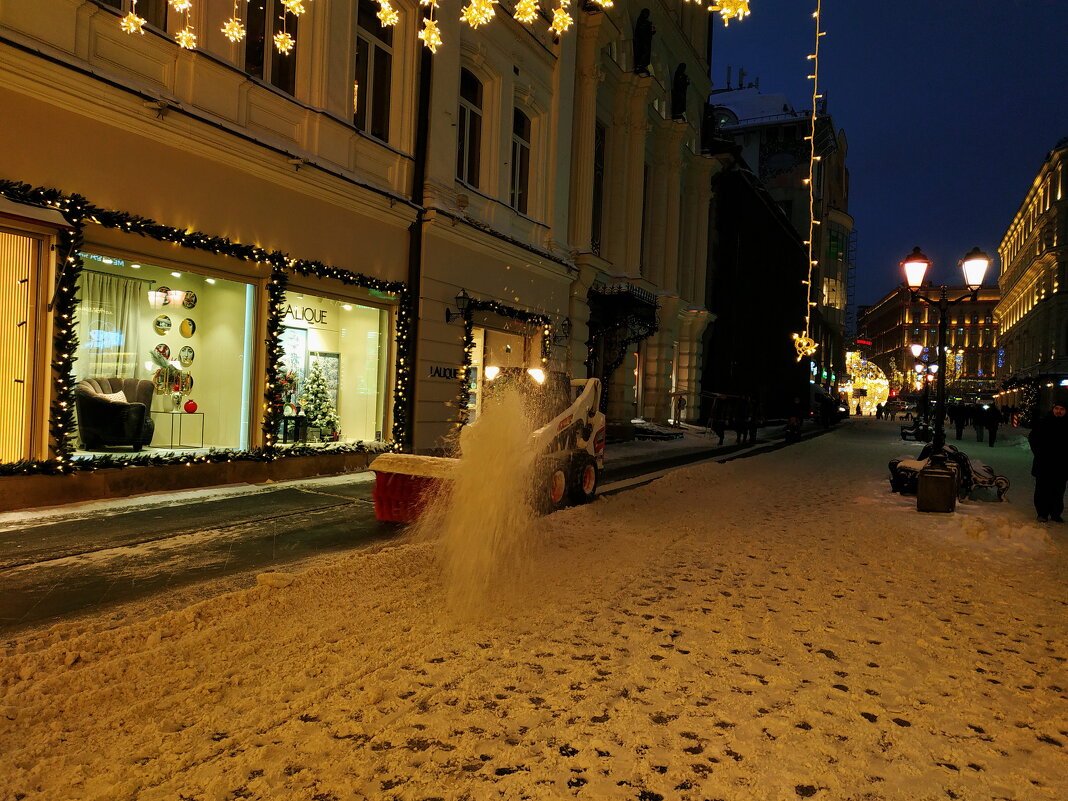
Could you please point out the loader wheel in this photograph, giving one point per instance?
(584, 479)
(550, 490)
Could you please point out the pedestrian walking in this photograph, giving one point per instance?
(978, 422)
(992, 420)
(958, 415)
(719, 425)
(859, 412)
(878, 411)
(1049, 444)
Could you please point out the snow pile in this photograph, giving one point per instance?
(728, 632)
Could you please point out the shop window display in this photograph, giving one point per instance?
(333, 370)
(493, 351)
(188, 335)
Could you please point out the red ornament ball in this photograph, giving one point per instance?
(190, 406)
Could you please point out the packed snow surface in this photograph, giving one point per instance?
(774, 628)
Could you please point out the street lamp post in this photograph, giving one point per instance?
(974, 264)
(921, 369)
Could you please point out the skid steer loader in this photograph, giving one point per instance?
(568, 445)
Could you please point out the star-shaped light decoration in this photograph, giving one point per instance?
(604, 5)
(430, 35)
(731, 9)
(181, 5)
(561, 19)
(234, 30)
(294, 7)
(284, 43)
(805, 345)
(387, 14)
(478, 12)
(132, 23)
(526, 11)
(186, 38)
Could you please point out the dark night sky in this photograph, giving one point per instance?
(949, 106)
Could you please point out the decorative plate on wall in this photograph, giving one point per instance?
(190, 300)
(162, 324)
(185, 355)
(164, 350)
(187, 328)
(163, 291)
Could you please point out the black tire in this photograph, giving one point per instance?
(550, 487)
(584, 479)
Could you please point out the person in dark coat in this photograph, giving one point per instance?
(992, 419)
(1049, 444)
(959, 416)
(978, 417)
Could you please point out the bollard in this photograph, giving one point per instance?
(936, 486)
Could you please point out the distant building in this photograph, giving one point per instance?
(895, 323)
(772, 138)
(1034, 288)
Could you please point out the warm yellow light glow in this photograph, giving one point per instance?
(805, 345)
(478, 12)
(492, 372)
(181, 5)
(526, 11)
(537, 374)
(294, 7)
(430, 35)
(387, 14)
(186, 38)
(132, 23)
(561, 19)
(731, 9)
(607, 4)
(233, 30)
(284, 43)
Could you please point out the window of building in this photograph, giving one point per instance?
(520, 161)
(496, 350)
(469, 130)
(374, 72)
(262, 59)
(600, 139)
(170, 338)
(20, 256)
(335, 367)
(154, 12)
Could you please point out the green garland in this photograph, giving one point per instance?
(78, 212)
(510, 312)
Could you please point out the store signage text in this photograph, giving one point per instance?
(306, 314)
(450, 373)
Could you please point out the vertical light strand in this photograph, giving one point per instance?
(430, 34)
(132, 23)
(803, 342)
(186, 37)
(234, 28)
(283, 40)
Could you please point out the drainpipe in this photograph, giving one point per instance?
(415, 230)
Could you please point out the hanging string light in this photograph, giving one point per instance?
(526, 11)
(181, 6)
(604, 5)
(132, 23)
(186, 37)
(561, 19)
(430, 35)
(283, 40)
(731, 9)
(234, 29)
(804, 343)
(387, 14)
(294, 7)
(478, 12)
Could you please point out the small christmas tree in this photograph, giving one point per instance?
(315, 401)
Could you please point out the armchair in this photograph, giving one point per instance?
(105, 422)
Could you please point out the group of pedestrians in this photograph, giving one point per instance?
(1049, 444)
(984, 419)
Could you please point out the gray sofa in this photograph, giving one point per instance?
(104, 423)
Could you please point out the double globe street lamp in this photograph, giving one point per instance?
(974, 264)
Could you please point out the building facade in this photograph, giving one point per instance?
(1034, 289)
(973, 354)
(304, 257)
(773, 139)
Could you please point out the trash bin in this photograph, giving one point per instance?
(936, 485)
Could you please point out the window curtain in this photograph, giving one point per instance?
(110, 320)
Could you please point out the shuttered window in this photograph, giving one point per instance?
(19, 255)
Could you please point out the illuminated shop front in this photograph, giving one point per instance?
(493, 351)
(183, 336)
(334, 369)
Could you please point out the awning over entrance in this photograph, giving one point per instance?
(620, 315)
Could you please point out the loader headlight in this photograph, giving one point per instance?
(492, 372)
(537, 374)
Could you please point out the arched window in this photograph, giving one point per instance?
(374, 72)
(469, 129)
(520, 161)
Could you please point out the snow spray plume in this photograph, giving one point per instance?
(482, 518)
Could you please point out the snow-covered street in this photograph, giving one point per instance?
(773, 628)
